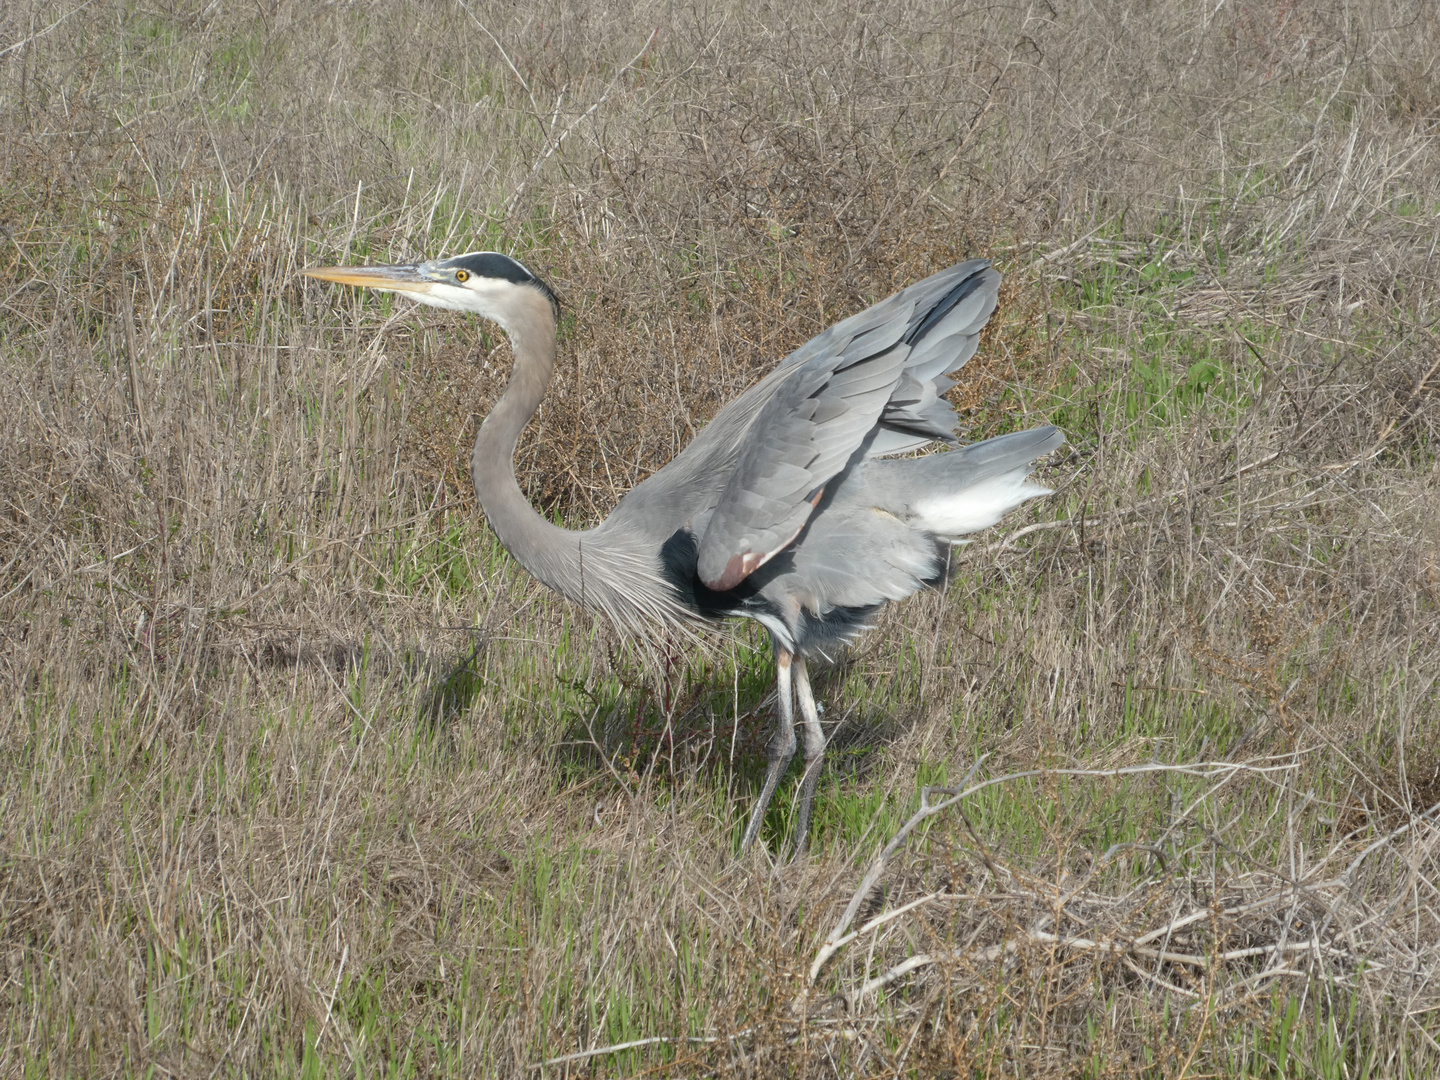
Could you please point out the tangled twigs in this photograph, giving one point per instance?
(1182, 929)
(837, 939)
(1126, 952)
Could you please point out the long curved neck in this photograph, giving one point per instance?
(549, 553)
(615, 570)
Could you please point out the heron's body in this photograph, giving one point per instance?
(788, 508)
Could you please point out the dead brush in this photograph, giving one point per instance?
(1223, 936)
(974, 958)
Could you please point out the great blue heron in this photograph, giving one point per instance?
(788, 508)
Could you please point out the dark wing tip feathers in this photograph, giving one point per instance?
(982, 276)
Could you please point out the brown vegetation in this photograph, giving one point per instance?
(300, 772)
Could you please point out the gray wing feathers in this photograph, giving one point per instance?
(878, 376)
(918, 413)
(856, 558)
(801, 438)
(892, 313)
(954, 339)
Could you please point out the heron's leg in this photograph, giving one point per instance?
(814, 753)
(782, 746)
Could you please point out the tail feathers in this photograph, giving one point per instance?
(1000, 454)
(956, 514)
(968, 489)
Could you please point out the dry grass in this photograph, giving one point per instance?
(301, 774)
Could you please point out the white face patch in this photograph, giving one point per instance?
(499, 301)
(449, 297)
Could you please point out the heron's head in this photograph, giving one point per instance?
(483, 283)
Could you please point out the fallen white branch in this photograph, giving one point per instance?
(634, 1044)
(1119, 949)
(838, 937)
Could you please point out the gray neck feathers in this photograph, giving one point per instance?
(605, 569)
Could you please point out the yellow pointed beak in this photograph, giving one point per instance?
(389, 278)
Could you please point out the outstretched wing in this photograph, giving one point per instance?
(873, 383)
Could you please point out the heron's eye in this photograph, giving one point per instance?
(462, 275)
